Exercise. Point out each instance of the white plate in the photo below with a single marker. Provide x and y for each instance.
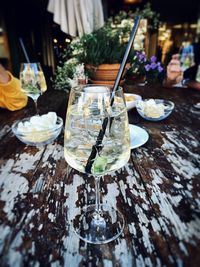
(139, 136)
(131, 104)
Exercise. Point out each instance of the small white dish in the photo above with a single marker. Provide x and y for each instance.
(131, 100)
(138, 135)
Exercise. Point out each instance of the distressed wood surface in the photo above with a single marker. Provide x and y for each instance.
(158, 192)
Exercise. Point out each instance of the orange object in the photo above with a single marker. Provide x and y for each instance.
(104, 72)
(11, 96)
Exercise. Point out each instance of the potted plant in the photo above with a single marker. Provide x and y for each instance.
(102, 51)
(143, 69)
(153, 70)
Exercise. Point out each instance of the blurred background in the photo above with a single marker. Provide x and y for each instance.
(179, 22)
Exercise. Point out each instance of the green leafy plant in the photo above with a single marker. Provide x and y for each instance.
(100, 47)
(145, 13)
(63, 74)
(106, 45)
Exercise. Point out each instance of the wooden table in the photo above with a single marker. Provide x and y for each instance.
(158, 192)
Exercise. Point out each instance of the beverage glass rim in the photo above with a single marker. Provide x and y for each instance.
(76, 89)
(29, 63)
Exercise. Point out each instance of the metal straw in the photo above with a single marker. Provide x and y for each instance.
(24, 50)
(97, 147)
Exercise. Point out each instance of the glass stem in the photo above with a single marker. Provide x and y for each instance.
(36, 107)
(97, 193)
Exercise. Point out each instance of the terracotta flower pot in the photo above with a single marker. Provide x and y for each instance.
(104, 72)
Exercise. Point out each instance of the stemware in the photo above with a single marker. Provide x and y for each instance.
(195, 108)
(32, 80)
(88, 108)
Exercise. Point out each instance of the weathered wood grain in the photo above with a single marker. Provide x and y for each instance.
(157, 192)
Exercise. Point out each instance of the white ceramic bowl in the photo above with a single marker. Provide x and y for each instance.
(168, 107)
(131, 100)
(37, 137)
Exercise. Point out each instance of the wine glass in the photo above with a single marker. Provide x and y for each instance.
(97, 141)
(32, 80)
(195, 108)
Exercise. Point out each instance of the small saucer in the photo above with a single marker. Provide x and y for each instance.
(139, 136)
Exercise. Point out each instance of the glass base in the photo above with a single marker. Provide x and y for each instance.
(195, 109)
(98, 228)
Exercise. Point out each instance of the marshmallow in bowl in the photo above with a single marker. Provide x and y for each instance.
(44, 122)
(38, 128)
(151, 109)
(39, 123)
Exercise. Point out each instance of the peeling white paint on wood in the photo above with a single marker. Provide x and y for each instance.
(12, 185)
(14, 256)
(4, 233)
(27, 162)
(52, 150)
(71, 256)
(184, 231)
(110, 198)
(108, 263)
(4, 131)
(71, 192)
(123, 254)
(150, 197)
(55, 264)
(155, 225)
(182, 166)
(51, 217)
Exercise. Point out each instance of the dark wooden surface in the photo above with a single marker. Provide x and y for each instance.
(158, 192)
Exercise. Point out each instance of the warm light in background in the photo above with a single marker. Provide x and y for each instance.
(67, 40)
(132, 1)
(55, 40)
(178, 26)
(198, 26)
(193, 26)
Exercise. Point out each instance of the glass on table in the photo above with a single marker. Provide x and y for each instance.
(97, 141)
(33, 82)
(195, 108)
